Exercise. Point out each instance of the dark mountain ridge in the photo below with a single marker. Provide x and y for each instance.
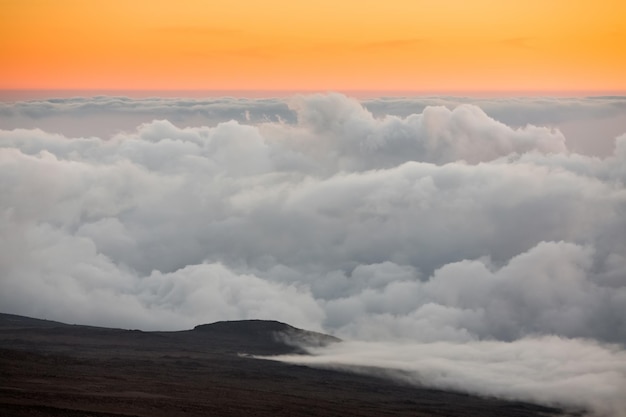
(13, 320)
(259, 337)
(55, 369)
(272, 336)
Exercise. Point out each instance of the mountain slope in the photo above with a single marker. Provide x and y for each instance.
(54, 369)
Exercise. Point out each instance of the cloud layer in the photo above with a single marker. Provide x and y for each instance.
(442, 225)
(546, 370)
(589, 124)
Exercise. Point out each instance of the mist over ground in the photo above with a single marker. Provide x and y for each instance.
(482, 235)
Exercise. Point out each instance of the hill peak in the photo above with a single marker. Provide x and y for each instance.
(235, 326)
(267, 335)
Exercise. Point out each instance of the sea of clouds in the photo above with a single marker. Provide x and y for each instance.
(478, 245)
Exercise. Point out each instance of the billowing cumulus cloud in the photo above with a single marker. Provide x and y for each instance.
(442, 225)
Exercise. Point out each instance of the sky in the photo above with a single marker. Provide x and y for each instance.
(555, 46)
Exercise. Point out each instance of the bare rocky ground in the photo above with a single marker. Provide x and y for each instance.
(54, 369)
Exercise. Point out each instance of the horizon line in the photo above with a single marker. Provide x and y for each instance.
(18, 94)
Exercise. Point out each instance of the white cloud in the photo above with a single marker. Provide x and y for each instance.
(579, 119)
(443, 225)
(577, 374)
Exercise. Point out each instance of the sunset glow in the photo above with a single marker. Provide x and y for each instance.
(412, 45)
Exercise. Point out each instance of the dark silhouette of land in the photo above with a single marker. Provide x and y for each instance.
(55, 369)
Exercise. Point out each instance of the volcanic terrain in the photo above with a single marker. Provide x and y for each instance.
(54, 369)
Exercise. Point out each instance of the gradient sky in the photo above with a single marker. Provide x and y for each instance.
(391, 45)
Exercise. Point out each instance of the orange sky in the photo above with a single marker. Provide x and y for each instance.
(401, 45)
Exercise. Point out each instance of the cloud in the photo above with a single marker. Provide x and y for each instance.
(573, 373)
(547, 290)
(436, 135)
(105, 116)
(578, 118)
(443, 225)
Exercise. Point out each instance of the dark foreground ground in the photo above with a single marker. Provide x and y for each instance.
(54, 369)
